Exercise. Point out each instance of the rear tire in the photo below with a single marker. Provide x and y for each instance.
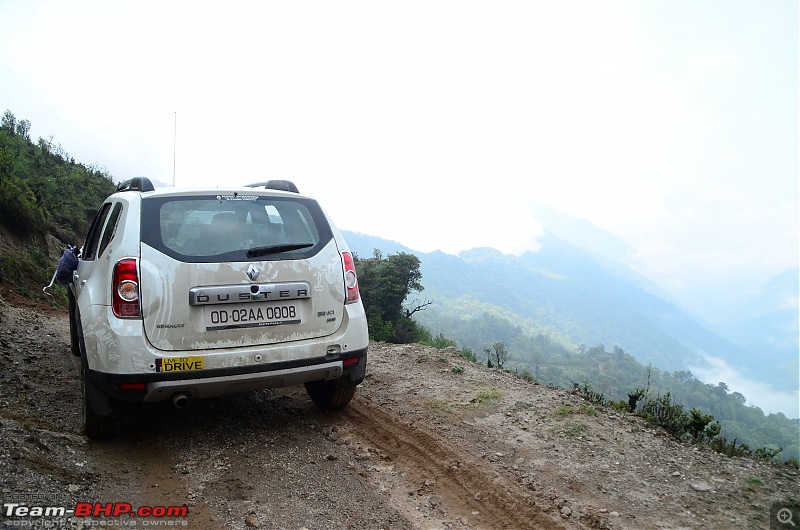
(330, 395)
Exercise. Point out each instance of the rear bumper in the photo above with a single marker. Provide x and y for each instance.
(218, 386)
(348, 368)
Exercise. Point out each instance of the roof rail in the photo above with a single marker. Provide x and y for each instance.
(280, 185)
(136, 184)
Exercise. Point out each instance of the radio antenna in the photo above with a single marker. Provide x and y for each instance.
(174, 141)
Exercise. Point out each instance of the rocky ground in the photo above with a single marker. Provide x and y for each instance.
(430, 441)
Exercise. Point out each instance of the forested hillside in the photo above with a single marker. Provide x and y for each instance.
(47, 200)
(563, 329)
(566, 292)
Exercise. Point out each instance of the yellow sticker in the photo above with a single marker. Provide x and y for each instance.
(179, 364)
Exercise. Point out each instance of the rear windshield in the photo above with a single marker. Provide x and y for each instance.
(234, 227)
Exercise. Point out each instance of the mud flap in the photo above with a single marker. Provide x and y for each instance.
(353, 375)
(100, 404)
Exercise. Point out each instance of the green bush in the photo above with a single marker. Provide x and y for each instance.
(698, 425)
(19, 208)
(439, 341)
(665, 412)
(768, 453)
(586, 392)
(468, 354)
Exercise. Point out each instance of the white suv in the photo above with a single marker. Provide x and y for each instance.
(191, 293)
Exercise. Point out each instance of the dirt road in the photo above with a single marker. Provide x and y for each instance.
(430, 441)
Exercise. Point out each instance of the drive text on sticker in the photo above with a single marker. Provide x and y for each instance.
(179, 364)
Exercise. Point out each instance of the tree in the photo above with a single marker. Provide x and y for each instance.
(385, 283)
(24, 129)
(501, 353)
(6, 159)
(9, 123)
(417, 305)
(722, 389)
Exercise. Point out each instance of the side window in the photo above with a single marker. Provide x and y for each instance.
(111, 228)
(90, 247)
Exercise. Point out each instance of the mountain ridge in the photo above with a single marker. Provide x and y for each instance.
(579, 296)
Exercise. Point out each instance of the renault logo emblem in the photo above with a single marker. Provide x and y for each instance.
(253, 272)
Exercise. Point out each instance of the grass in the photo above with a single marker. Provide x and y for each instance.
(564, 411)
(576, 430)
(754, 481)
(424, 358)
(484, 398)
(445, 406)
(487, 396)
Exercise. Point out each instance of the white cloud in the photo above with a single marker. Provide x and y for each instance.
(758, 393)
(670, 124)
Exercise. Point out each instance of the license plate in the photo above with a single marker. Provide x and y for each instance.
(253, 315)
(179, 364)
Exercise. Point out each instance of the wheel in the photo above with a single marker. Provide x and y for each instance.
(74, 338)
(330, 395)
(95, 425)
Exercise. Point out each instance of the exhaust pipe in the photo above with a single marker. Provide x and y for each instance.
(181, 401)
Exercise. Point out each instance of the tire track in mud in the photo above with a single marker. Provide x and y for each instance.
(464, 483)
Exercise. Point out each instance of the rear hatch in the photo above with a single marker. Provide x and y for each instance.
(238, 269)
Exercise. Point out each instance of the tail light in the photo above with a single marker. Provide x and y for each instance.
(350, 279)
(350, 362)
(135, 387)
(125, 289)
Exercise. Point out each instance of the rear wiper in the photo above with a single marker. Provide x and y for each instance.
(276, 249)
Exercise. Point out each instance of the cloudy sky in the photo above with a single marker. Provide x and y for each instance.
(672, 124)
